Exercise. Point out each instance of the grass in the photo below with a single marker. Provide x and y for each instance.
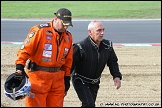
(82, 9)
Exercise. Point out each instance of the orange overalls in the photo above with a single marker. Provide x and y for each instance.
(47, 48)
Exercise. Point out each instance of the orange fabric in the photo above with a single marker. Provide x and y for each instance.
(48, 88)
(34, 46)
(41, 47)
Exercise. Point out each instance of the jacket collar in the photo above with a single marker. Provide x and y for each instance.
(102, 44)
(92, 42)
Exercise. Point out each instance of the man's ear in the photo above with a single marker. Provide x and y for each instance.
(89, 32)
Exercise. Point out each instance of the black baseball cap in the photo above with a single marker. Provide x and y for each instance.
(65, 16)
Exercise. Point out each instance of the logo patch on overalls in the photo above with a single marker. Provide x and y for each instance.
(46, 59)
(48, 32)
(48, 39)
(66, 50)
(47, 46)
(31, 34)
(44, 25)
(26, 41)
(47, 53)
(22, 47)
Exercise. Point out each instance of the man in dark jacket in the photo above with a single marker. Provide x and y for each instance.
(89, 59)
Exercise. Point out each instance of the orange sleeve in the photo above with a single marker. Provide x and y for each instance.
(68, 61)
(28, 47)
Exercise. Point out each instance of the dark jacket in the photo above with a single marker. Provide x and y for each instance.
(92, 62)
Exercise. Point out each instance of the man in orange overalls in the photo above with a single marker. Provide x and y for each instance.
(48, 50)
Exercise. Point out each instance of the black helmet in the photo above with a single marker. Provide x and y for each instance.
(16, 89)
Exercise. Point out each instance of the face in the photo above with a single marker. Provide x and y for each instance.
(98, 32)
(58, 25)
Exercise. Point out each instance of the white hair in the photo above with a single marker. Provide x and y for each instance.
(91, 25)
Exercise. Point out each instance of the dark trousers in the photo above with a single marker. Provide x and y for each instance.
(86, 92)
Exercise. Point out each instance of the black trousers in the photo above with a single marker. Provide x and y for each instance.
(86, 92)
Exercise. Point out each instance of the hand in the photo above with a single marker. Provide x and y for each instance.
(117, 82)
(20, 72)
(67, 83)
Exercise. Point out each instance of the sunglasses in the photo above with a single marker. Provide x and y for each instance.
(67, 24)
